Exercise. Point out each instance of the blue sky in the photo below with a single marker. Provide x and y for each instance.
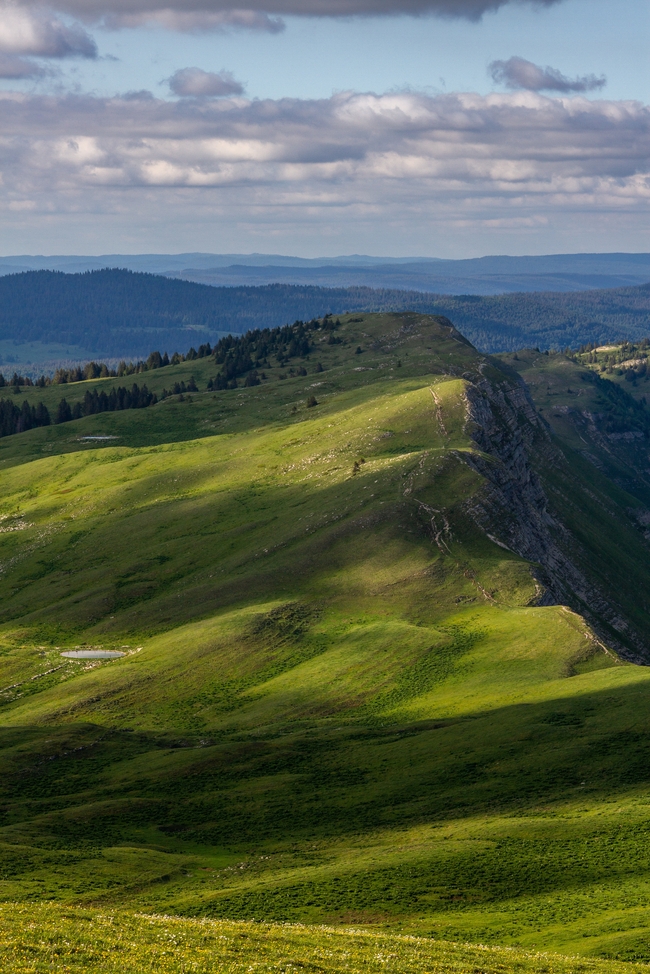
(313, 57)
(338, 134)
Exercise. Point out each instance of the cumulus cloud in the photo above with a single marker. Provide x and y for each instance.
(195, 83)
(261, 14)
(40, 34)
(522, 75)
(503, 160)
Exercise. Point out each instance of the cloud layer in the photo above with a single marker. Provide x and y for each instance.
(501, 161)
(262, 13)
(521, 75)
(195, 21)
(37, 33)
(196, 83)
(505, 143)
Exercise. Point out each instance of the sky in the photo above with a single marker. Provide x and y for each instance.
(440, 128)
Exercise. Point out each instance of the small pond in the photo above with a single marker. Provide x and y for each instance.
(96, 439)
(92, 654)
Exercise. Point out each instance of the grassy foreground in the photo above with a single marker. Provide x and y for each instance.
(43, 939)
(341, 700)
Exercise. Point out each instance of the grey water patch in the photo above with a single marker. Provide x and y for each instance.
(96, 439)
(93, 654)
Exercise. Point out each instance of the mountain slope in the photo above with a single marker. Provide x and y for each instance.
(376, 653)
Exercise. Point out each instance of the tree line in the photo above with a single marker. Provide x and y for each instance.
(239, 356)
(99, 370)
(16, 419)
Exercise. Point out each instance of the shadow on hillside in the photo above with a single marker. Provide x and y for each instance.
(323, 778)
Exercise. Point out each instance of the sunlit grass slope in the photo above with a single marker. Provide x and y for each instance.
(339, 701)
(51, 939)
(36, 940)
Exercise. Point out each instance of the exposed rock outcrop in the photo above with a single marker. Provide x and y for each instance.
(514, 511)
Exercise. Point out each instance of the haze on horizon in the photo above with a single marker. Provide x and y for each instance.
(443, 128)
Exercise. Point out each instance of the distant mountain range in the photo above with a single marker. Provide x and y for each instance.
(481, 275)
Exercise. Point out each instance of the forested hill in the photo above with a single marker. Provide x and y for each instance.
(118, 312)
(507, 322)
(122, 313)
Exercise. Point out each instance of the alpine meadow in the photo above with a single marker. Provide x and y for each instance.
(330, 656)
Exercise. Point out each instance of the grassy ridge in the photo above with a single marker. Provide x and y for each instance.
(340, 702)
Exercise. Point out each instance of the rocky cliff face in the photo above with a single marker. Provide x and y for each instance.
(513, 508)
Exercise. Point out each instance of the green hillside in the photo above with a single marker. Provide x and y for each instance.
(380, 626)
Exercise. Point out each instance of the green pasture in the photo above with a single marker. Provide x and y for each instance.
(339, 703)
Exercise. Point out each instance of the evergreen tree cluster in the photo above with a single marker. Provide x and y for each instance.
(16, 381)
(92, 370)
(242, 356)
(17, 419)
(179, 389)
(106, 402)
(99, 370)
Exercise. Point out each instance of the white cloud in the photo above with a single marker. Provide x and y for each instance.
(196, 83)
(519, 74)
(458, 161)
(40, 34)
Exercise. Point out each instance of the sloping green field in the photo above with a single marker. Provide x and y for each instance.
(345, 698)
